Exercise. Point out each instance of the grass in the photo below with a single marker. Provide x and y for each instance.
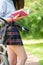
(36, 49)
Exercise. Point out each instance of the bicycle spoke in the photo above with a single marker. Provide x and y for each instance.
(2, 61)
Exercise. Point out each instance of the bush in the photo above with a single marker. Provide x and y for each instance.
(34, 21)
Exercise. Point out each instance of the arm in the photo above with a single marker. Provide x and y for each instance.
(17, 17)
(3, 9)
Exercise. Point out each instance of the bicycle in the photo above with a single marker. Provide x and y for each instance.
(3, 49)
(3, 56)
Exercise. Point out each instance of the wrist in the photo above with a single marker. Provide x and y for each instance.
(11, 20)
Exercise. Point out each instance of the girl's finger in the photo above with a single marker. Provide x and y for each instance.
(17, 16)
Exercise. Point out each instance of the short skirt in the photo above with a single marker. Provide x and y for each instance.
(12, 36)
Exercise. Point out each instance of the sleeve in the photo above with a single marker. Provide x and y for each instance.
(2, 8)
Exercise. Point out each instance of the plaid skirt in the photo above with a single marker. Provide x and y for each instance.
(12, 36)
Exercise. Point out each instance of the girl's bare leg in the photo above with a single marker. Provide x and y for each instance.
(21, 55)
(12, 57)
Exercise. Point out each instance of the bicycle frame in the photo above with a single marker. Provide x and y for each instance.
(3, 49)
(3, 56)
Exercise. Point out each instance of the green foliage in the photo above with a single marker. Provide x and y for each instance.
(34, 21)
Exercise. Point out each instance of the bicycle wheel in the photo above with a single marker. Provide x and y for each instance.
(3, 60)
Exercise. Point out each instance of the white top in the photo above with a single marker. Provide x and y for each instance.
(6, 8)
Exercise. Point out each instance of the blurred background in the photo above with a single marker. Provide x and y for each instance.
(33, 40)
(34, 21)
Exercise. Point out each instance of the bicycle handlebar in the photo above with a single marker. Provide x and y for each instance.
(14, 23)
(20, 27)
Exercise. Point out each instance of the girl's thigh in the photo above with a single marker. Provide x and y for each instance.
(19, 50)
(12, 57)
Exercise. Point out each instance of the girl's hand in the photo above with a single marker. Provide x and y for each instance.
(18, 17)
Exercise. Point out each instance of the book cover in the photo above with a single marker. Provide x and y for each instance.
(21, 12)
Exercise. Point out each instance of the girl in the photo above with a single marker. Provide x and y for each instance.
(15, 49)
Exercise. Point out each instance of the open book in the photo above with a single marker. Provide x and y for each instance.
(21, 12)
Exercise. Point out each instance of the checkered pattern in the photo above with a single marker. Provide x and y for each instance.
(13, 35)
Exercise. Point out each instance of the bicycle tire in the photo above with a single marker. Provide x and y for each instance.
(3, 60)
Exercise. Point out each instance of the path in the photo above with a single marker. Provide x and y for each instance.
(33, 41)
(32, 60)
